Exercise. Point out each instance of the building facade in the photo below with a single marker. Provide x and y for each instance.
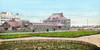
(42, 27)
(4, 16)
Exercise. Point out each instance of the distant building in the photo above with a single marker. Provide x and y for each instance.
(4, 16)
(59, 20)
(12, 25)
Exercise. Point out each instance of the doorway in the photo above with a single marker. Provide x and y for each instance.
(59, 27)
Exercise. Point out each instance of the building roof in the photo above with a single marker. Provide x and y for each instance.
(8, 14)
(57, 16)
(13, 23)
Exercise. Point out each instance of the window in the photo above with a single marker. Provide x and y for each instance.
(53, 18)
(62, 20)
(2, 20)
(58, 20)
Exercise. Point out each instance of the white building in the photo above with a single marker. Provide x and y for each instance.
(4, 16)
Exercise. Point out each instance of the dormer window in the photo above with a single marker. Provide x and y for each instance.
(53, 18)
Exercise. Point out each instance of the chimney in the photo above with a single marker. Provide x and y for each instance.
(62, 15)
(13, 19)
(17, 14)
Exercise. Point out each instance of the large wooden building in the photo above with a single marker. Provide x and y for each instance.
(59, 20)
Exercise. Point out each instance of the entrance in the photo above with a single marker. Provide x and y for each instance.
(14, 28)
(6, 29)
(59, 27)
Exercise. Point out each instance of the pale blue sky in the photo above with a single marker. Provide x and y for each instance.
(35, 10)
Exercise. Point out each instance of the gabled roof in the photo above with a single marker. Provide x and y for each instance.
(13, 23)
(57, 16)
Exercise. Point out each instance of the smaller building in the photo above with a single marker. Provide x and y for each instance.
(13, 25)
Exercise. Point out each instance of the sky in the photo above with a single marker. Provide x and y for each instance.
(37, 10)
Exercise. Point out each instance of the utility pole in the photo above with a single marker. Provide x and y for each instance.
(87, 22)
(40, 20)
